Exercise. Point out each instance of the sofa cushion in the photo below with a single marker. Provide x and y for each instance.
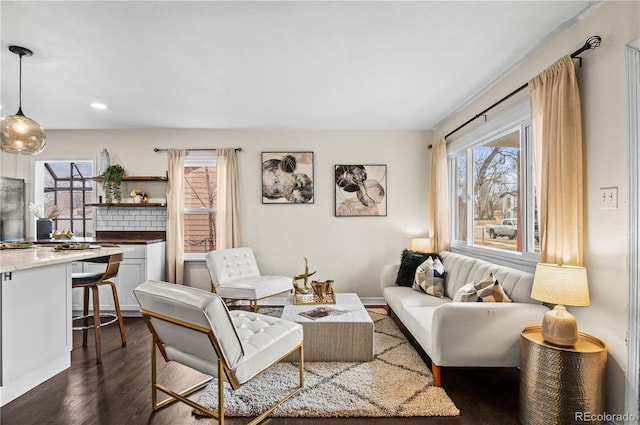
(400, 297)
(429, 277)
(409, 262)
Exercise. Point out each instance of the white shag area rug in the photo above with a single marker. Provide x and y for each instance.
(397, 383)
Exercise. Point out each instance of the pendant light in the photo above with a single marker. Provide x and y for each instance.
(20, 134)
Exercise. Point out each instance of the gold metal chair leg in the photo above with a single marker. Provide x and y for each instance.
(154, 391)
(220, 392)
(267, 412)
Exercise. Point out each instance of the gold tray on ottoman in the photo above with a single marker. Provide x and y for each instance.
(299, 299)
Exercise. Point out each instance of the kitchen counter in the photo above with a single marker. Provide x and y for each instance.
(12, 260)
(115, 237)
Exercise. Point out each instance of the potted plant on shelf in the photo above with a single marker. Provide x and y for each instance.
(112, 183)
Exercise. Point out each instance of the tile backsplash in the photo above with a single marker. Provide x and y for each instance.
(131, 218)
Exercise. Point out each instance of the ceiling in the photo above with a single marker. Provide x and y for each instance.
(265, 64)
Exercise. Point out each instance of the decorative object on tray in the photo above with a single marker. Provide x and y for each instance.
(62, 234)
(287, 177)
(301, 299)
(361, 190)
(45, 216)
(112, 183)
(305, 288)
(15, 245)
(322, 289)
(139, 196)
(320, 312)
(71, 246)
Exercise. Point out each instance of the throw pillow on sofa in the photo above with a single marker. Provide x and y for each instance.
(409, 262)
(494, 293)
(469, 292)
(466, 289)
(429, 277)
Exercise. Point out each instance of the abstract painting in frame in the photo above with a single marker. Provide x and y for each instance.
(287, 177)
(361, 190)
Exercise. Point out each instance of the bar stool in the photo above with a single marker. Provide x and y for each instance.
(93, 281)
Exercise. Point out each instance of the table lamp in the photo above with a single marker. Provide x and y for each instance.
(421, 245)
(561, 285)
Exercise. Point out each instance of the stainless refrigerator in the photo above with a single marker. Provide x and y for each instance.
(12, 209)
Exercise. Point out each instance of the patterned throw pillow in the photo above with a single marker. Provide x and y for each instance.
(471, 292)
(409, 262)
(490, 280)
(470, 295)
(429, 277)
(466, 289)
(493, 294)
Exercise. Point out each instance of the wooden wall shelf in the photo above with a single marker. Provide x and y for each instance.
(128, 205)
(136, 178)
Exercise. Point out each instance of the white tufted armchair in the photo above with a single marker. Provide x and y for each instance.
(235, 276)
(194, 327)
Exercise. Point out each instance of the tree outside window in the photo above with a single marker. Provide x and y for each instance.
(493, 193)
(200, 187)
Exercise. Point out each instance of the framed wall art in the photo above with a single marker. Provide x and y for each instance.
(361, 190)
(287, 177)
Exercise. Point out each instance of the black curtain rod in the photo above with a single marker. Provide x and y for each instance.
(196, 149)
(591, 43)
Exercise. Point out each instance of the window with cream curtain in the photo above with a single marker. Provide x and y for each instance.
(492, 200)
(200, 204)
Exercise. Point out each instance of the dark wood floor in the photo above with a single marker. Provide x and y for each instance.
(118, 392)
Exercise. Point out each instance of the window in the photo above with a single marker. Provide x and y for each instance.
(200, 188)
(493, 197)
(66, 184)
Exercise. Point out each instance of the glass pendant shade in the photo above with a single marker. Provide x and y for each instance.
(22, 135)
(19, 133)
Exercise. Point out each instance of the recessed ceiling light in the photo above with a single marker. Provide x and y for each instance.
(97, 105)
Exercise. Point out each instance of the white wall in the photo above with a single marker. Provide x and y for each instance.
(349, 250)
(602, 85)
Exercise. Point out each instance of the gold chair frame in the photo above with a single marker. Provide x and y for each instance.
(223, 370)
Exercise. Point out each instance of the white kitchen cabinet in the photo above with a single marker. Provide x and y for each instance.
(144, 262)
(35, 327)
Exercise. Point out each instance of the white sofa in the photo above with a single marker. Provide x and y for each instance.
(476, 334)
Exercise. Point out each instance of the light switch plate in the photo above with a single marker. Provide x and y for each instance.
(608, 198)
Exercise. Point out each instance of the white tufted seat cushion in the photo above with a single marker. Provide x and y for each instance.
(263, 339)
(250, 342)
(235, 274)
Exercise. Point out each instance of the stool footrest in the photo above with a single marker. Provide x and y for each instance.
(111, 316)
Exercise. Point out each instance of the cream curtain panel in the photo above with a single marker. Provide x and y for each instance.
(228, 208)
(557, 135)
(175, 216)
(439, 197)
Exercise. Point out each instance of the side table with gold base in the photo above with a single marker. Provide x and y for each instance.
(561, 385)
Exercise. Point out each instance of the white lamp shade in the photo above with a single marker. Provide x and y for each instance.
(421, 245)
(22, 135)
(560, 284)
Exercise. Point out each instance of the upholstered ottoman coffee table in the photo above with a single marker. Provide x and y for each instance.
(343, 337)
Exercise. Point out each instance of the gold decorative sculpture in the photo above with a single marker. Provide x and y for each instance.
(305, 289)
(322, 289)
